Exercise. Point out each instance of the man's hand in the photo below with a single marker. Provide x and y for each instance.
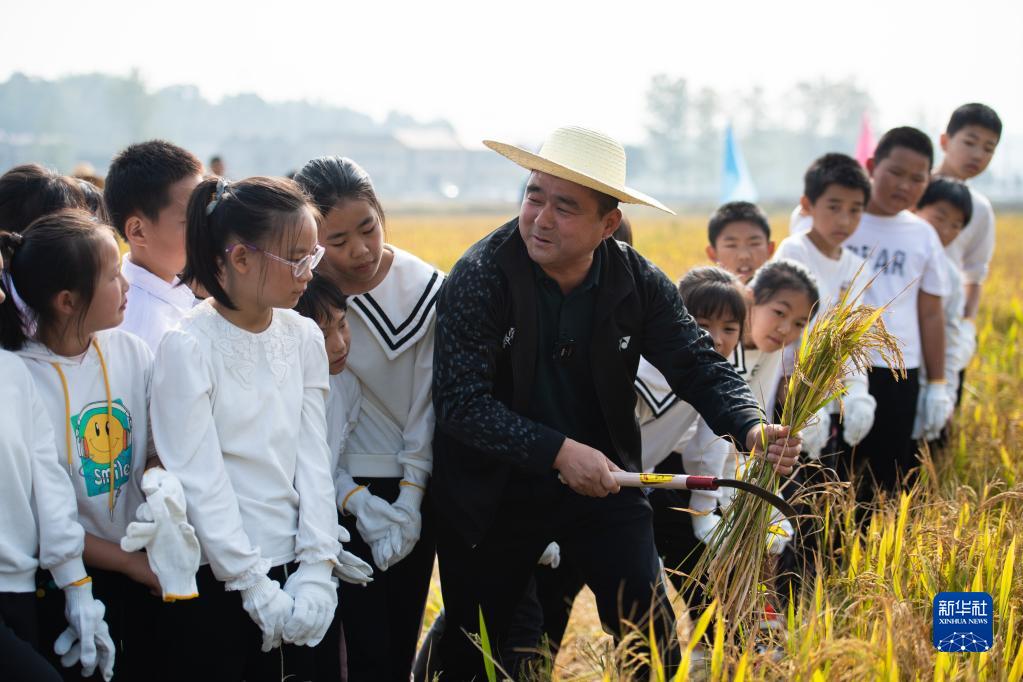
(781, 449)
(585, 470)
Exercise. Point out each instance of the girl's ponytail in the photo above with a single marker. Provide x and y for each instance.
(204, 247)
(12, 334)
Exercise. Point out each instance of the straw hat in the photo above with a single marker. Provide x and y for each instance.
(582, 156)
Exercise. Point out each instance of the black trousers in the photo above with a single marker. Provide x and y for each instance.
(382, 620)
(610, 541)
(888, 453)
(132, 614)
(217, 640)
(20, 657)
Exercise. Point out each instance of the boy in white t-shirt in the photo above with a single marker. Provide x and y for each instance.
(948, 206)
(835, 192)
(739, 239)
(907, 256)
(969, 143)
(146, 194)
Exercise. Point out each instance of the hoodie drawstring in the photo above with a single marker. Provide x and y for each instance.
(110, 417)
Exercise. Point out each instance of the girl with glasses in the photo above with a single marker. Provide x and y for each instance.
(239, 390)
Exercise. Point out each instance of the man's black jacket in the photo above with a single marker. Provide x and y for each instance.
(485, 358)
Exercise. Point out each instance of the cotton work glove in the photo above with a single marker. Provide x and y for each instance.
(269, 607)
(409, 501)
(374, 516)
(966, 348)
(704, 526)
(857, 412)
(351, 568)
(315, 595)
(171, 545)
(937, 407)
(551, 556)
(87, 637)
(779, 534)
(815, 435)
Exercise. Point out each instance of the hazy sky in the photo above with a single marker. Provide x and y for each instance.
(514, 70)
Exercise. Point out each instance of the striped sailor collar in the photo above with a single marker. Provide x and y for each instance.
(398, 311)
(653, 388)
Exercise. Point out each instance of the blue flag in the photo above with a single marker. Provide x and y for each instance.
(736, 181)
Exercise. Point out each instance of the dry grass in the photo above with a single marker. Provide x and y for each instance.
(869, 615)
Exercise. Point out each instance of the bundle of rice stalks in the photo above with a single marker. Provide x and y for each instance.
(840, 342)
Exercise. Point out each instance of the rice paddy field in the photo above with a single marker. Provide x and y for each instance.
(868, 614)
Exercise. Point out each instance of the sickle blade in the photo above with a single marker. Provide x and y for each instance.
(774, 500)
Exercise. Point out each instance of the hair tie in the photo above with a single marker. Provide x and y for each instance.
(218, 195)
(12, 240)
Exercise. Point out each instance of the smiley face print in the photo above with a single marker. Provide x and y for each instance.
(104, 445)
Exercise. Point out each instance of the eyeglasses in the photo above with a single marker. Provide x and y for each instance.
(300, 268)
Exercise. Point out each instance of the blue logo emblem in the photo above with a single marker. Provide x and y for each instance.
(963, 622)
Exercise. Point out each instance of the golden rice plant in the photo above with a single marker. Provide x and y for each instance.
(840, 342)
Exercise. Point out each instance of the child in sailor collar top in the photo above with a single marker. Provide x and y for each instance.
(238, 406)
(392, 296)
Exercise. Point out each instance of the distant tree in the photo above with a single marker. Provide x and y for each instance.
(667, 102)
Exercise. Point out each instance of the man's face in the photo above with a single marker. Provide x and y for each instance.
(741, 248)
(969, 151)
(560, 222)
(899, 180)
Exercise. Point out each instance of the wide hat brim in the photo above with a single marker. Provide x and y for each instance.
(535, 162)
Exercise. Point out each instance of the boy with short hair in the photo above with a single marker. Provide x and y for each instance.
(739, 239)
(948, 206)
(906, 255)
(969, 143)
(836, 191)
(146, 193)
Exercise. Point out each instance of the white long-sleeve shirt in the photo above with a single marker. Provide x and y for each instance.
(81, 417)
(239, 419)
(392, 357)
(154, 306)
(344, 406)
(38, 511)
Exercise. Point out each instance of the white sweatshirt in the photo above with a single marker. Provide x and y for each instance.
(239, 419)
(154, 306)
(40, 526)
(83, 420)
(392, 357)
(668, 425)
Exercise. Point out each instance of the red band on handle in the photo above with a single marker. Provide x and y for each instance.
(701, 483)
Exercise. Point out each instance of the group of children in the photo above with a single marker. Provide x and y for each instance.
(261, 344)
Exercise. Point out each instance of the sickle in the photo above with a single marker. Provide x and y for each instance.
(684, 482)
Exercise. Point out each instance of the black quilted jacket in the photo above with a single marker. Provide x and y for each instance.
(484, 361)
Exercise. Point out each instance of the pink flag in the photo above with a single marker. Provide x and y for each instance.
(865, 145)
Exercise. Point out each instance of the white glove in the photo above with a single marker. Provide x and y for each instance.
(315, 595)
(410, 499)
(858, 408)
(87, 637)
(374, 517)
(704, 526)
(779, 534)
(937, 406)
(172, 548)
(551, 556)
(351, 568)
(967, 346)
(269, 607)
(815, 435)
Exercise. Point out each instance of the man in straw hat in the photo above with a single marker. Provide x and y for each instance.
(540, 327)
